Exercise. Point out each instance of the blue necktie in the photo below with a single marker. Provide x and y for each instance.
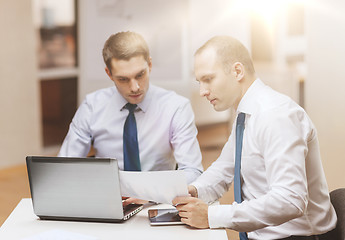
(130, 141)
(237, 178)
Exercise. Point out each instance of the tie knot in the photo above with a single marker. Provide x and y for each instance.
(130, 107)
(240, 118)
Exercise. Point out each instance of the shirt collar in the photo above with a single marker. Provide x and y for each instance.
(147, 99)
(118, 100)
(248, 102)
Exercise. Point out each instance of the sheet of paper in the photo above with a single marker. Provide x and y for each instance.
(157, 186)
(58, 234)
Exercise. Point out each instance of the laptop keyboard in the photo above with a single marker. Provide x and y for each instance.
(131, 209)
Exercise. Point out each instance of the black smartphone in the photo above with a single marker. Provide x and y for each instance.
(164, 216)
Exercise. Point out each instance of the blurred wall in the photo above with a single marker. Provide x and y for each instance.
(19, 95)
(206, 20)
(173, 30)
(164, 28)
(325, 83)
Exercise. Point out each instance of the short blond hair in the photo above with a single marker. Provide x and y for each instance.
(124, 46)
(229, 50)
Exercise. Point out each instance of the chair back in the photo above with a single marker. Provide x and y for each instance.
(338, 202)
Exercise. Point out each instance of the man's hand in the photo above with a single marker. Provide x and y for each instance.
(192, 191)
(193, 211)
(128, 200)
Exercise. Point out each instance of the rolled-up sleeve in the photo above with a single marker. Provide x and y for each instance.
(77, 142)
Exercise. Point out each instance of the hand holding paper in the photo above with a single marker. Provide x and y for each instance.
(157, 186)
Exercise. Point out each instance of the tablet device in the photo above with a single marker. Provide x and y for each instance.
(164, 216)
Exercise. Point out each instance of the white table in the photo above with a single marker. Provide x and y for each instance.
(24, 223)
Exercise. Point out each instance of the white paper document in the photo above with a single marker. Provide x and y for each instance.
(157, 186)
(58, 234)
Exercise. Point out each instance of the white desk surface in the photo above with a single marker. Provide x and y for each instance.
(23, 223)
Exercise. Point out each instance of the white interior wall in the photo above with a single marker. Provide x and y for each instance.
(164, 30)
(19, 95)
(208, 19)
(173, 35)
(272, 46)
(325, 83)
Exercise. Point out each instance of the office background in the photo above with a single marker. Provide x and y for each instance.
(297, 47)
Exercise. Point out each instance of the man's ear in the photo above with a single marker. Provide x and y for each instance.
(238, 71)
(150, 64)
(108, 73)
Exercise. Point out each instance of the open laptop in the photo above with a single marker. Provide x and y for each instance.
(77, 189)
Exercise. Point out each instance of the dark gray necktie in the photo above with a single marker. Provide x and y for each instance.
(237, 178)
(130, 141)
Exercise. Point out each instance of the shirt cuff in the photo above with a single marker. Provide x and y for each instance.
(219, 216)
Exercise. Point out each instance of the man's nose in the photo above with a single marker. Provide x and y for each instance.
(134, 85)
(204, 92)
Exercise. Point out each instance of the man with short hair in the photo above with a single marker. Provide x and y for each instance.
(272, 156)
(164, 129)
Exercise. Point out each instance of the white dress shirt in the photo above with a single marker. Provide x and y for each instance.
(283, 183)
(165, 124)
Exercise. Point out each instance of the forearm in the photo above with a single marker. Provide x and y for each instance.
(191, 174)
(271, 209)
(214, 182)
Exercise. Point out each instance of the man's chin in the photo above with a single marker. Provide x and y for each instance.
(218, 108)
(136, 100)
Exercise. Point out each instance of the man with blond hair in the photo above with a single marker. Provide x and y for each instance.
(160, 129)
(272, 156)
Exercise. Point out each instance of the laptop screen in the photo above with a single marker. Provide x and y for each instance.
(75, 188)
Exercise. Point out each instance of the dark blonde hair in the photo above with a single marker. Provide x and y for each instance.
(124, 46)
(229, 50)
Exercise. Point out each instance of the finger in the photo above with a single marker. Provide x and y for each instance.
(181, 200)
(186, 207)
(135, 200)
(185, 220)
(192, 191)
(124, 203)
(128, 201)
(140, 201)
(183, 214)
(176, 201)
